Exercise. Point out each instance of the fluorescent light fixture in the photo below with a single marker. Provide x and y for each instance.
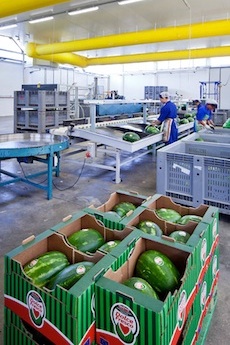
(44, 19)
(8, 26)
(84, 10)
(126, 2)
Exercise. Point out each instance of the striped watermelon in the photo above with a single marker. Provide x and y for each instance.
(40, 270)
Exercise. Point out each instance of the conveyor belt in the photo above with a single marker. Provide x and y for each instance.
(111, 138)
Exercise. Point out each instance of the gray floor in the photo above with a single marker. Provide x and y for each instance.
(24, 210)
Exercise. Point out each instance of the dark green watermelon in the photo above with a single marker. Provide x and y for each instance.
(108, 246)
(41, 269)
(152, 130)
(159, 271)
(70, 275)
(131, 137)
(180, 236)
(123, 208)
(184, 121)
(141, 285)
(168, 215)
(149, 227)
(86, 240)
(189, 217)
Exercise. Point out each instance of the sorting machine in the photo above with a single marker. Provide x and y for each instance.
(106, 137)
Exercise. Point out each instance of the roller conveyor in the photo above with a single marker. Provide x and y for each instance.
(29, 147)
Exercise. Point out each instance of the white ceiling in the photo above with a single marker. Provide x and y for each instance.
(114, 19)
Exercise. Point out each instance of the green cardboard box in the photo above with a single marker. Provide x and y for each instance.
(133, 318)
(61, 316)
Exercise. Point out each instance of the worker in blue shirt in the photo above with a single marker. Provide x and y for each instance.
(204, 115)
(168, 115)
(197, 103)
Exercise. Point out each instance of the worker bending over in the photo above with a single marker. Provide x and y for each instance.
(204, 115)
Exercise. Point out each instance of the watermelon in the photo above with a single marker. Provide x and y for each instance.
(108, 246)
(184, 121)
(123, 208)
(199, 139)
(86, 240)
(152, 130)
(113, 215)
(180, 236)
(44, 267)
(189, 217)
(131, 137)
(190, 119)
(159, 271)
(70, 275)
(149, 227)
(168, 215)
(141, 285)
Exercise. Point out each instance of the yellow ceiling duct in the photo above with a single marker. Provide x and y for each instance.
(199, 30)
(162, 56)
(83, 62)
(9, 8)
(64, 58)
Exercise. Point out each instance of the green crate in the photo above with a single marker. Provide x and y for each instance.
(111, 220)
(67, 315)
(150, 321)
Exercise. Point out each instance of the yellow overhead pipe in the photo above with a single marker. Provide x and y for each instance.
(65, 58)
(80, 61)
(9, 8)
(162, 56)
(174, 33)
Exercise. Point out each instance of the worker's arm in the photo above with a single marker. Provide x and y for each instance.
(156, 123)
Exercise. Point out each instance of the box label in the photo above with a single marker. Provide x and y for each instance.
(125, 323)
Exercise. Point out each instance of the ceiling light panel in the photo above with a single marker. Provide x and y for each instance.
(39, 20)
(127, 2)
(84, 10)
(10, 26)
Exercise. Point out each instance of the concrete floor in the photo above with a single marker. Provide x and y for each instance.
(24, 210)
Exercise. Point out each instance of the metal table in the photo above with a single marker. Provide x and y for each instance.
(30, 147)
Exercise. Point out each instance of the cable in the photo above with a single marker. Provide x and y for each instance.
(61, 190)
(27, 177)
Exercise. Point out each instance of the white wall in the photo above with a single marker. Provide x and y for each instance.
(131, 85)
(11, 80)
(185, 83)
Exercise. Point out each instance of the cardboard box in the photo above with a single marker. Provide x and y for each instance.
(209, 214)
(111, 220)
(62, 316)
(204, 304)
(13, 335)
(82, 221)
(129, 317)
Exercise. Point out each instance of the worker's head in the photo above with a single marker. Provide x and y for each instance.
(196, 102)
(211, 104)
(164, 97)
